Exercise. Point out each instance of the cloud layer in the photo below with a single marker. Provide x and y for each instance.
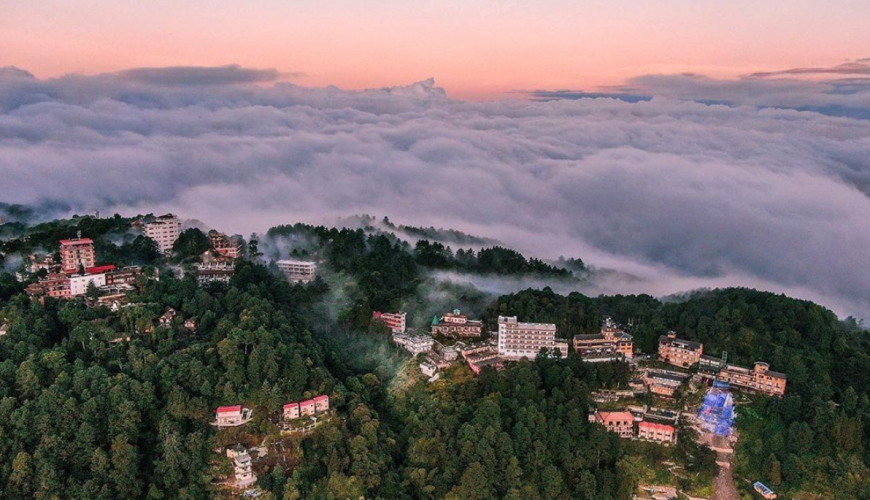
(677, 192)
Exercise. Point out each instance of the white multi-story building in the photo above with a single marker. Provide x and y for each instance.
(78, 285)
(298, 270)
(414, 342)
(164, 230)
(524, 340)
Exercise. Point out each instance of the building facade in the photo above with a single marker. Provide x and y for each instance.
(659, 433)
(456, 325)
(78, 284)
(164, 230)
(298, 271)
(611, 344)
(413, 342)
(679, 352)
(77, 253)
(524, 340)
(394, 321)
(757, 379)
(620, 423)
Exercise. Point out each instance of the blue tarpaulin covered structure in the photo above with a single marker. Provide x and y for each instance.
(717, 412)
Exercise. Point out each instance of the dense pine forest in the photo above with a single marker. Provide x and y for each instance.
(85, 416)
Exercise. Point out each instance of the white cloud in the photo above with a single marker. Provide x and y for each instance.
(676, 192)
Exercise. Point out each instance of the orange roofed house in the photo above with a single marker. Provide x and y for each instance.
(660, 433)
(618, 422)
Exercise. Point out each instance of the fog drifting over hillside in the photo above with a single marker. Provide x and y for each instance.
(678, 192)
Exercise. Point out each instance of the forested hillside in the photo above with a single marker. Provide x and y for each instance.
(96, 404)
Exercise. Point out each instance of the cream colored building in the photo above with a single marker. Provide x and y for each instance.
(524, 340)
(164, 231)
(301, 271)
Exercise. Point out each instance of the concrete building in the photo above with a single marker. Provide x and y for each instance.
(659, 433)
(307, 408)
(321, 403)
(77, 253)
(428, 368)
(298, 271)
(394, 321)
(663, 383)
(679, 352)
(611, 344)
(524, 340)
(167, 318)
(618, 422)
(291, 411)
(456, 325)
(224, 246)
(54, 285)
(126, 275)
(232, 416)
(78, 284)
(164, 230)
(757, 379)
(214, 272)
(243, 472)
(414, 342)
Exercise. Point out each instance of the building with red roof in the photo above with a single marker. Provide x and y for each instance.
(232, 416)
(321, 403)
(660, 433)
(75, 253)
(619, 422)
(307, 408)
(291, 411)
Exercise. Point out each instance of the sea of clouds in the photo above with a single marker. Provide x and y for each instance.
(676, 182)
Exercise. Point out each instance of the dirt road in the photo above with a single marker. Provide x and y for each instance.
(723, 485)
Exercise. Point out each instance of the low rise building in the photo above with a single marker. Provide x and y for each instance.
(126, 275)
(663, 382)
(760, 378)
(164, 230)
(55, 285)
(394, 321)
(167, 318)
(78, 284)
(679, 352)
(525, 340)
(414, 342)
(307, 408)
(611, 344)
(321, 403)
(659, 433)
(225, 246)
(428, 368)
(620, 423)
(232, 416)
(456, 325)
(298, 271)
(4, 328)
(214, 272)
(291, 411)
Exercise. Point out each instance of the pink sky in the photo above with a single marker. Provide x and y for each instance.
(474, 49)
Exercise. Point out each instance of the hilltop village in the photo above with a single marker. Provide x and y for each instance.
(674, 395)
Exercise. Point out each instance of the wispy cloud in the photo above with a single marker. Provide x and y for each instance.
(859, 67)
(674, 192)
